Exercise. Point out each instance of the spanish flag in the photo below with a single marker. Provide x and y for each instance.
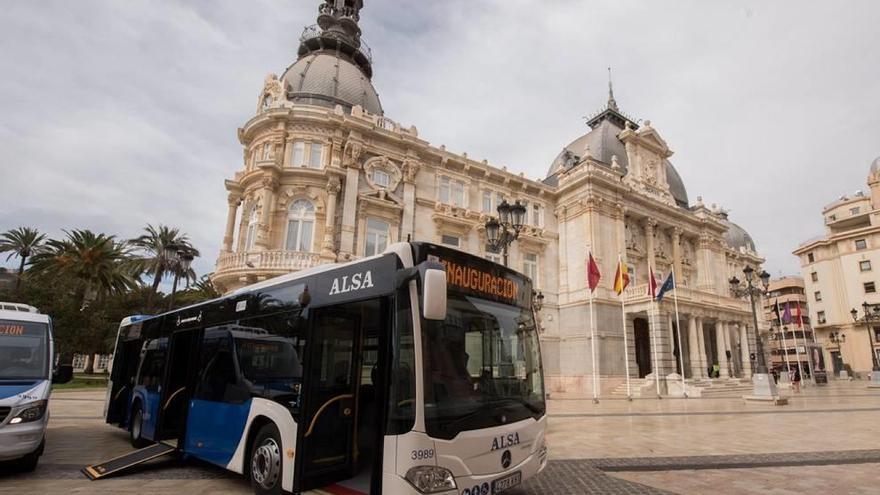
(621, 277)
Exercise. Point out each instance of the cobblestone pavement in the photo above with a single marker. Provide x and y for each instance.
(826, 437)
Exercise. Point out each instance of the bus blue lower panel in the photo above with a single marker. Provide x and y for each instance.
(213, 430)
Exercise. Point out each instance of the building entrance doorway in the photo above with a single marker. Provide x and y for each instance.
(642, 337)
(710, 340)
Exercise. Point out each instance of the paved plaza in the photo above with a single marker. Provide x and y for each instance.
(825, 440)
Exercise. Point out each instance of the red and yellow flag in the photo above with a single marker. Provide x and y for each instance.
(593, 274)
(621, 278)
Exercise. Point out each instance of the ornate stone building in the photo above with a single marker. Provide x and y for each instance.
(327, 177)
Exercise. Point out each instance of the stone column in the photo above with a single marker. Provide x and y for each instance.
(676, 253)
(721, 347)
(329, 244)
(703, 360)
(746, 350)
(351, 162)
(727, 344)
(410, 168)
(697, 370)
(650, 224)
(265, 228)
(233, 200)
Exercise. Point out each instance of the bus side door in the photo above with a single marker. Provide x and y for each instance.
(326, 445)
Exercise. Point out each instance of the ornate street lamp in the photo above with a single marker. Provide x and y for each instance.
(870, 315)
(764, 386)
(503, 231)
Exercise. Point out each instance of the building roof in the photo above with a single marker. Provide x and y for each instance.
(875, 165)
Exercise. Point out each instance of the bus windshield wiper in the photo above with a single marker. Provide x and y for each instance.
(480, 410)
(519, 400)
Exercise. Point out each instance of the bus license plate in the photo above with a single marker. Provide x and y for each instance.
(507, 482)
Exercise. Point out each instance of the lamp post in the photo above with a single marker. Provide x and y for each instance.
(870, 314)
(764, 386)
(502, 231)
(178, 257)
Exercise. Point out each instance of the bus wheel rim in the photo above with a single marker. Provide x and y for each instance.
(266, 464)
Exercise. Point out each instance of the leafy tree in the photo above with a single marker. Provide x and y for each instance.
(152, 245)
(22, 242)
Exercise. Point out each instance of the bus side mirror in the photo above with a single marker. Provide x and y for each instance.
(62, 374)
(434, 294)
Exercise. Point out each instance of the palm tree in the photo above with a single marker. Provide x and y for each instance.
(22, 242)
(98, 263)
(153, 244)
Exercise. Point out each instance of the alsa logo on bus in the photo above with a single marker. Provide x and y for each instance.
(505, 441)
(480, 281)
(358, 281)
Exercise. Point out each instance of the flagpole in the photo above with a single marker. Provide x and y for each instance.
(678, 327)
(592, 330)
(797, 351)
(656, 364)
(809, 357)
(625, 339)
(784, 342)
(593, 346)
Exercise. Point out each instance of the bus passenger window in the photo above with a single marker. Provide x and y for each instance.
(152, 369)
(217, 370)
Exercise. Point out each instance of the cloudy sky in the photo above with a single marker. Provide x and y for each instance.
(115, 114)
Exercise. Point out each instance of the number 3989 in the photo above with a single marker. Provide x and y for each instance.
(418, 455)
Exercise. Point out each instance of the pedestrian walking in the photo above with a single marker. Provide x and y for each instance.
(796, 380)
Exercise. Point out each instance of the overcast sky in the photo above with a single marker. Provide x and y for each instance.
(115, 114)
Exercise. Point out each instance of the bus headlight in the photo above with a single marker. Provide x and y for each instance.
(31, 412)
(431, 479)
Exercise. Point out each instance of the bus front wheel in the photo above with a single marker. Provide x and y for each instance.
(136, 429)
(265, 462)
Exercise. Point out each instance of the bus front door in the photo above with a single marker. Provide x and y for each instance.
(180, 374)
(326, 452)
(123, 374)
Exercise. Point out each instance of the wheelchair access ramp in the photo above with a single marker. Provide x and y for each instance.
(126, 461)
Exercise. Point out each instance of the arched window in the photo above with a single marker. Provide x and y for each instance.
(300, 226)
(251, 232)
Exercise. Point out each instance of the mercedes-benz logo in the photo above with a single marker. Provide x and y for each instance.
(505, 459)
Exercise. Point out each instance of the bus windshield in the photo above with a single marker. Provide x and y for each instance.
(23, 350)
(482, 366)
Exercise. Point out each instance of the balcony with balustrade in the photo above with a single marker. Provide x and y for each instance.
(237, 269)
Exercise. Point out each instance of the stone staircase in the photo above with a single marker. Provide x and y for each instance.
(701, 387)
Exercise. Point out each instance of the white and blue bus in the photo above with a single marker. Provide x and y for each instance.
(26, 376)
(414, 371)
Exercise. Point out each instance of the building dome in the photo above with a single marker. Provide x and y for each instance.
(334, 64)
(327, 78)
(736, 237)
(875, 165)
(604, 146)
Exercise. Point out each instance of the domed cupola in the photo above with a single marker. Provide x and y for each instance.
(334, 66)
(736, 237)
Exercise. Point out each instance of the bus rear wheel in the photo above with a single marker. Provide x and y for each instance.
(266, 460)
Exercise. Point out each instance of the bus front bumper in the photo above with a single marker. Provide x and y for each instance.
(22, 439)
(472, 485)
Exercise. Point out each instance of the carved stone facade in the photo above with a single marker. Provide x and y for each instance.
(323, 183)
